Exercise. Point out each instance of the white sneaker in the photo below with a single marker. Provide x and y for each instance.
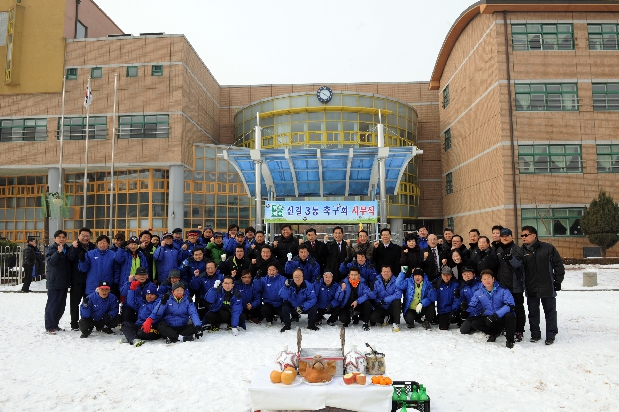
(269, 324)
(235, 332)
(123, 340)
(395, 328)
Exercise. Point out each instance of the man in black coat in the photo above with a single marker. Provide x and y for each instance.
(543, 275)
(338, 251)
(33, 259)
(81, 246)
(234, 265)
(316, 248)
(431, 264)
(58, 278)
(285, 244)
(484, 257)
(387, 253)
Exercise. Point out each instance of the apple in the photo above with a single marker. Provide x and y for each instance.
(349, 379)
(356, 373)
(361, 379)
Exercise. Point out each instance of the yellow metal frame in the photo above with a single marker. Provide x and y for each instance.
(325, 108)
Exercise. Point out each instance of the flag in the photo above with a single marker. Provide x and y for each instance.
(88, 98)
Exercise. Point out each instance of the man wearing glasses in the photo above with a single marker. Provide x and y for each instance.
(544, 271)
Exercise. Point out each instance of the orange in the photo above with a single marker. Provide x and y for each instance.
(376, 380)
(276, 376)
(383, 381)
(388, 379)
(287, 377)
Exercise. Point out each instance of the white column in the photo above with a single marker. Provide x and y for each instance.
(176, 193)
(53, 180)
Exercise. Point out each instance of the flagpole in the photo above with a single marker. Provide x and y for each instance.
(60, 180)
(112, 169)
(87, 104)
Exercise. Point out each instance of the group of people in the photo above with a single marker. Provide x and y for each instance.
(178, 288)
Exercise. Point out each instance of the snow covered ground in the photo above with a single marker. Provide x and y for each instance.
(462, 373)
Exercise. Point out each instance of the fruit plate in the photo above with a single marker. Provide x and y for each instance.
(295, 382)
(356, 385)
(316, 383)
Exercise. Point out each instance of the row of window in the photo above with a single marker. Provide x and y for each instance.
(74, 128)
(560, 36)
(132, 71)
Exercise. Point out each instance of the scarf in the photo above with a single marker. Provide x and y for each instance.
(354, 283)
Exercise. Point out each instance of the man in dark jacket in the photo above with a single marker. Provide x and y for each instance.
(431, 264)
(298, 297)
(510, 276)
(337, 252)
(148, 250)
(543, 274)
(33, 259)
(256, 246)
(286, 243)
(58, 281)
(235, 264)
(316, 248)
(484, 257)
(78, 278)
(387, 253)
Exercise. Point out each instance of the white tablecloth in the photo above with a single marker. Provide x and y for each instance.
(265, 395)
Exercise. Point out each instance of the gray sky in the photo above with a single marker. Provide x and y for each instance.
(277, 41)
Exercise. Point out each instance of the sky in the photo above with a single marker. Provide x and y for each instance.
(281, 41)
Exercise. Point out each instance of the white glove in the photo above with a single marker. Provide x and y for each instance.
(289, 256)
(419, 307)
(217, 283)
(235, 332)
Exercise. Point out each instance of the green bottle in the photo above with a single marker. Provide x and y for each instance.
(423, 396)
(403, 408)
(395, 396)
(403, 395)
(414, 394)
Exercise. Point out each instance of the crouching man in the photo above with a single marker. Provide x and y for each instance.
(299, 297)
(99, 310)
(173, 314)
(419, 298)
(226, 306)
(496, 306)
(133, 332)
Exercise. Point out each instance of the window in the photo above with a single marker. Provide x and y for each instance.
(139, 127)
(608, 158)
(81, 31)
(447, 139)
(75, 128)
(4, 22)
(132, 71)
(542, 37)
(554, 222)
(446, 96)
(603, 36)
(450, 223)
(546, 97)
(71, 74)
(96, 72)
(156, 70)
(549, 159)
(449, 186)
(23, 130)
(605, 96)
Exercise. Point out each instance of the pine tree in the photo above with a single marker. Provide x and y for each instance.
(600, 222)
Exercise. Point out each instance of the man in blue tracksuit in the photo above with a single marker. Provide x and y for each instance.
(226, 306)
(468, 286)
(355, 296)
(99, 266)
(201, 283)
(128, 260)
(327, 301)
(447, 304)
(298, 296)
(497, 309)
(192, 266)
(172, 316)
(303, 261)
(270, 285)
(138, 283)
(134, 335)
(251, 296)
(99, 310)
(387, 299)
(367, 269)
(419, 298)
(166, 257)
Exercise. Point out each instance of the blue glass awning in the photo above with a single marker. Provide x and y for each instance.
(321, 172)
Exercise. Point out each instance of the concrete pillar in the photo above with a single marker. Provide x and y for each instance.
(53, 180)
(589, 278)
(396, 226)
(176, 194)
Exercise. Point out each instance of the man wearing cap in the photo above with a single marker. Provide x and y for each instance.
(191, 244)
(419, 298)
(172, 316)
(78, 278)
(33, 259)
(99, 310)
(225, 306)
(138, 283)
(99, 265)
(128, 260)
(166, 257)
(207, 234)
(543, 275)
(177, 238)
(58, 280)
(215, 247)
(166, 286)
(327, 299)
(468, 286)
(447, 304)
(250, 236)
(387, 299)
(495, 306)
(145, 302)
(510, 275)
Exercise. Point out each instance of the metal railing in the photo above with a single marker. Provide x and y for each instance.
(12, 265)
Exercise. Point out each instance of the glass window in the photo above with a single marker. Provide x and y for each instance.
(449, 188)
(547, 97)
(447, 139)
(542, 37)
(608, 158)
(96, 72)
(560, 222)
(132, 71)
(446, 98)
(81, 31)
(156, 70)
(549, 159)
(75, 128)
(71, 74)
(23, 130)
(603, 36)
(139, 127)
(605, 96)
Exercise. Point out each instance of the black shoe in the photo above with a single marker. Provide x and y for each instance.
(168, 341)
(535, 340)
(509, 344)
(549, 341)
(285, 328)
(108, 331)
(345, 325)
(331, 323)
(84, 335)
(492, 338)
(313, 328)
(518, 336)
(355, 320)
(24, 291)
(187, 338)
(434, 321)
(199, 334)
(366, 326)
(426, 325)
(410, 325)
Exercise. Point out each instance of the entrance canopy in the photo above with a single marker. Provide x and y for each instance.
(321, 172)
